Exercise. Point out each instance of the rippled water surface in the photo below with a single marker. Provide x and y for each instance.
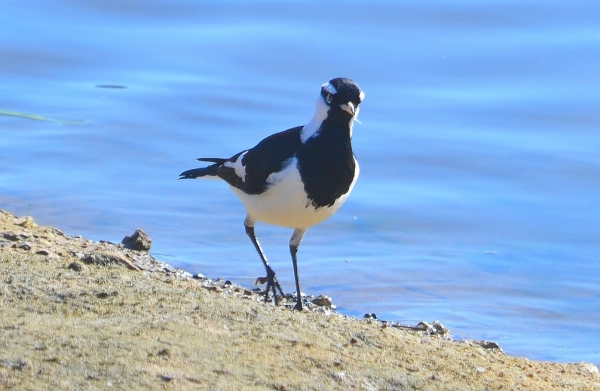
(480, 168)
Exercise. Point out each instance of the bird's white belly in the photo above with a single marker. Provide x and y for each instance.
(286, 203)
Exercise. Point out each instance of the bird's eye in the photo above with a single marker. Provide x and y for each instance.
(328, 98)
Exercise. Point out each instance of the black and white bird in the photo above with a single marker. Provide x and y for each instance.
(296, 178)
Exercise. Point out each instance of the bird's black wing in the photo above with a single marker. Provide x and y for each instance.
(268, 157)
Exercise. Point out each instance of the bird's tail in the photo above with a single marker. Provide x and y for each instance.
(211, 170)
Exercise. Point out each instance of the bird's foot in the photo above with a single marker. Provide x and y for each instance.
(272, 285)
(298, 297)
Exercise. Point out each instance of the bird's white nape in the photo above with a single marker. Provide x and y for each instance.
(313, 126)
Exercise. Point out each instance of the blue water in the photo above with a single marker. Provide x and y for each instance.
(480, 173)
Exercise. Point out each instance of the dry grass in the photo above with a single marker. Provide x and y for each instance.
(109, 327)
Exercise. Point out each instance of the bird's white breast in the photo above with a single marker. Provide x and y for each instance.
(285, 202)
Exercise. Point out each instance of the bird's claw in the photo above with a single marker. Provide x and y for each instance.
(272, 285)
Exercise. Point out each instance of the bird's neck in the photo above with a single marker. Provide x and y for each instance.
(330, 118)
(337, 127)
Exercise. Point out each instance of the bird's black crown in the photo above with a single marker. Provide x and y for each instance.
(340, 91)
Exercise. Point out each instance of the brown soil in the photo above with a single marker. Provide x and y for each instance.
(87, 315)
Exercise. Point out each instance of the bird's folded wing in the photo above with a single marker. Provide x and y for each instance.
(266, 158)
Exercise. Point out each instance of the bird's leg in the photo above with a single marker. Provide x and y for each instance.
(272, 282)
(294, 244)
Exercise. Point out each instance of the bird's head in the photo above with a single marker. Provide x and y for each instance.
(338, 101)
(342, 94)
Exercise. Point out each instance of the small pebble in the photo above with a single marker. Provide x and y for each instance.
(323, 301)
(488, 345)
(167, 378)
(75, 266)
(12, 236)
(18, 364)
(25, 246)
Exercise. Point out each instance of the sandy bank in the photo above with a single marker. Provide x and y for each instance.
(77, 314)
